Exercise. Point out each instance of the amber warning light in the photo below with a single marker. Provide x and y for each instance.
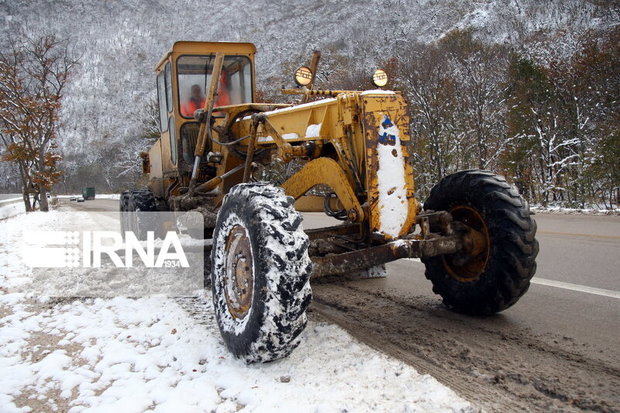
(303, 76)
(380, 78)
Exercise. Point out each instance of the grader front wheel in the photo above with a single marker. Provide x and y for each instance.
(260, 273)
(496, 270)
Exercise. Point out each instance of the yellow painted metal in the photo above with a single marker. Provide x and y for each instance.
(314, 203)
(155, 170)
(314, 92)
(300, 123)
(166, 156)
(338, 137)
(326, 171)
(347, 129)
(203, 48)
(182, 48)
(202, 133)
(376, 108)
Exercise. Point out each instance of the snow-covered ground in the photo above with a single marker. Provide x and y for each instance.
(14, 206)
(97, 196)
(592, 210)
(108, 196)
(10, 208)
(165, 355)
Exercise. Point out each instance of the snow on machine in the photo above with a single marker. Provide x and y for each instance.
(350, 157)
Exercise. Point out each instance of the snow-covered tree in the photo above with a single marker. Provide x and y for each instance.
(33, 74)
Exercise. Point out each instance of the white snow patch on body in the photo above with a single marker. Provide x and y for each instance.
(377, 92)
(285, 136)
(290, 136)
(150, 354)
(392, 186)
(313, 131)
(300, 107)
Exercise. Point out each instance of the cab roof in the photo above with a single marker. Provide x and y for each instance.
(198, 48)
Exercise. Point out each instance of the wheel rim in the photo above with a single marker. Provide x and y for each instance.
(238, 272)
(469, 266)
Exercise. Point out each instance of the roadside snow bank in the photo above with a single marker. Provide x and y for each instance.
(159, 354)
(583, 211)
(97, 196)
(108, 196)
(9, 200)
(10, 209)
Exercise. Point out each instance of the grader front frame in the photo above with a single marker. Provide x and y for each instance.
(475, 235)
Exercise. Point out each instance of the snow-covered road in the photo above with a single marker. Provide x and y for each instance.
(163, 354)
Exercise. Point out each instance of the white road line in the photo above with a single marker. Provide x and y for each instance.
(576, 287)
(563, 285)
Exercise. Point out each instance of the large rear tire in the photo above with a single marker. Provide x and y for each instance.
(260, 273)
(134, 201)
(499, 272)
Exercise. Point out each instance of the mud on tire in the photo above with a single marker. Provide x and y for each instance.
(260, 273)
(498, 281)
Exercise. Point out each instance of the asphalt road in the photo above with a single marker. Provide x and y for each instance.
(91, 206)
(577, 283)
(576, 289)
(557, 349)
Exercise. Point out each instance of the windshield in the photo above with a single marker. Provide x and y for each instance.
(194, 75)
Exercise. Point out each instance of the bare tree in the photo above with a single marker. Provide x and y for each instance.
(33, 74)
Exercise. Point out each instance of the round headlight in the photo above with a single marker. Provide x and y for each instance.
(303, 76)
(380, 78)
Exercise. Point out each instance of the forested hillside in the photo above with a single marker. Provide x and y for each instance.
(526, 88)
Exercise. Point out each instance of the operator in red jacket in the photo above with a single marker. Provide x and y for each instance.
(196, 101)
(197, 98)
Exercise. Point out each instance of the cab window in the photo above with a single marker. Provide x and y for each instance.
(173, 142)
(194, 75)
(169, 87)
(162, 101)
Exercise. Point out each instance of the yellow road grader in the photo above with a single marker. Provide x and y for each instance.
(350, 157)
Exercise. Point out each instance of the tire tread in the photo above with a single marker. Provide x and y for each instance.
(514, 248)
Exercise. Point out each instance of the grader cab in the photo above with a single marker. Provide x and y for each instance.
(350, 157)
